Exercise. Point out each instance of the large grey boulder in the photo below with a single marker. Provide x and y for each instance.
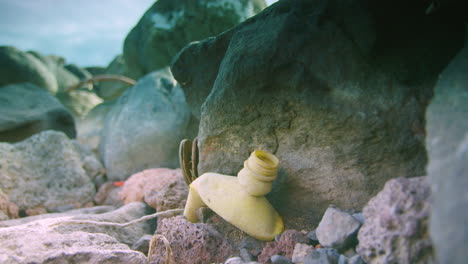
(46, 171)
(17, 66)
(144, 127)
(447, 144)
(396, 228)
(169, 25)
(43, 241)
(327, 88)
(26, 109)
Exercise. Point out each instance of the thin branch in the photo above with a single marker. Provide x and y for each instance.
(103, 78)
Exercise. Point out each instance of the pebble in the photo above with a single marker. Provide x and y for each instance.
(322, 256)
(359, 217)
(278, 259)
(337, 229)
(312, 235)
(300, 251)
(234, 260)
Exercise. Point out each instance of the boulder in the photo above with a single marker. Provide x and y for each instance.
(46, 171)
(169, 25)
(81, 73)
(337, 229)
(162, 189)
(112, 90)
(79, 102)
(89, 128)
(43, 241)
(329, 88)
(396, 227)
(26, 109)
(447, 144)
(191, 243)
(17, 66)
(144, 127)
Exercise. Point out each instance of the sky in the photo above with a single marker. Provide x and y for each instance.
(84, 32)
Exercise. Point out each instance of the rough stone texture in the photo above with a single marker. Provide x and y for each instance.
(396, 227)
(284, 247)
(112, 90)
(8, 210)
(169, 25)
(109, 194)
(329, 88)
(17, 66)
(191, 243)
(162, 189)
(447, 143)
(322, 256)
(80, 211)
(45, 170)
(81, 73)
(38, 242)
(338, 229)
(26, 109)
(144, 127)
(278, 259)
(89, 128)
(142, 244)
(300, 251)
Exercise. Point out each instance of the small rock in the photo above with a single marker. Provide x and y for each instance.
(355, 260)
(278, 259)
(284, 247)
(108, 194)
(322, 256)
(300, 251)
(142, 244)
(234, 260)
(245, 254)
(8, 210)
(191, 243)
(337, 229)
(250, 248)
(342, 260)
(396, 227)
(312, 235)
(359, 217)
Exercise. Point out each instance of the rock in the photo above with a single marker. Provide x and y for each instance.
(169, 25)
(284, 247)
(108, 194)
(142, 244)
(40, 242)
(300, 251)
(447, 144)
(8, 210)
(56, 65)
(45, 170)
(328, 89)
(338, 229)
(355, 260)
(144, 127)
(79, 102)
(81, 73)
(18, 67)
(234, 260)
(112, 90)
(359, 217)
(191, 243)
(91, 126)
(322, 256)
(278, 259)
(396, 227)
(312, 235)
(342, 260)
(74, 212)
(26, 109)
(250, 248)
(162, 189)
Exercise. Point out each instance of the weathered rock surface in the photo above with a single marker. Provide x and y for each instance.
(191, 243)
(284, 247)
(337, 229)
(26, 109)
(447, 143)
(79, 102)
(46, 171)
(89, 128)
(322, 256)
(169, 25)
(40, 242)
(108, 194)
(144, 127)
(396, 227)
(17, 66)
(8, 210)
(162, 189)
(329, 89)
